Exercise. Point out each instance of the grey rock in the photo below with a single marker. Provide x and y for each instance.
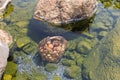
(62, 11)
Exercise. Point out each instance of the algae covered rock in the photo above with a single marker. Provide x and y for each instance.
(73, 72)
(103, 61)
(51, 67)
(23, 41)
(11, 69)
(56, 77)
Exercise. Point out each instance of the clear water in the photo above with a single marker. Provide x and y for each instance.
(19, 22)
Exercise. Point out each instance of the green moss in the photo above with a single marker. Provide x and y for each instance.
(11, 68)
(9, 9)
(7, 77)
(71, 45)
(73, 72)
(117, 4)
(102, 33)
(57, 78)
(51, 67)
(31, 48)
(22, 41)
(22, 23)
(14, 78)
(67, 62)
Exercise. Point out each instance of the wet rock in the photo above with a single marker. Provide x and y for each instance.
(68, 62)
(85, 45)
(7, 77)
(73, 72)
(22, 42)
(5, 40)
(22, 23)
(57, 78)
(52, 48)
(103, 61)
(62, 11)
(3, 4)
(51, 67)
(11, 69)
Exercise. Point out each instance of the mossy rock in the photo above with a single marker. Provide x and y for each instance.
(22, 24)
(11, 68)
(72, 45)
(56, 77)
(14, 78)
(84, 46)
(7, 77)
(22, 41)
(67, 62)
(103, 61)
(73, 72)
(51, 67)
(30, 48)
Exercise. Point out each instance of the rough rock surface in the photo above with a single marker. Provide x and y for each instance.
(103, 63)
(5, 40)
(52, 48)
(62, 11)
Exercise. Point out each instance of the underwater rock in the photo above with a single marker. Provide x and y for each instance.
(103, 62)
(11, 69)
(62, 11)
(23, 41)
(52, 48)
(51, 67)
(3, 4)
(73, 72)
(56, 77)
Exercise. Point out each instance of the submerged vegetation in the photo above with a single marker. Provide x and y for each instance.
(79, 60)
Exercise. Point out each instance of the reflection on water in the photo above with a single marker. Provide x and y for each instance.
(82, 37)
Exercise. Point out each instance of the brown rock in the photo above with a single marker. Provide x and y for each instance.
(52, 53)
(62, 11)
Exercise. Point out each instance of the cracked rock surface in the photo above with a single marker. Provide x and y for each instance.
(62, 11)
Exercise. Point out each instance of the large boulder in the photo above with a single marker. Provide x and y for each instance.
(62, 11)
(103, 63)
(5, 40)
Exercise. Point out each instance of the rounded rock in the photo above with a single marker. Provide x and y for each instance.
(52, 53)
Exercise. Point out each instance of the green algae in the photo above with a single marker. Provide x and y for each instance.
(73, 72)
(51, 67)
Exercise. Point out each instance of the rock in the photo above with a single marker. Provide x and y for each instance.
(56, 77)
(22, 42)
(5, 40)
(68, 62)
(22, 23)
(52, 48)
(7, 77)
(5, 37)
(62, 11)
(3, 4)
(11, 69)
(51, 67)
(103, 61)
(73, 72)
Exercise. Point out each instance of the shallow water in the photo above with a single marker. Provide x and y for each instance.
(82, 37)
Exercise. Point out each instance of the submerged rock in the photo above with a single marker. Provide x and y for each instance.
(103, 63)
(62, 11)
(52, 48)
